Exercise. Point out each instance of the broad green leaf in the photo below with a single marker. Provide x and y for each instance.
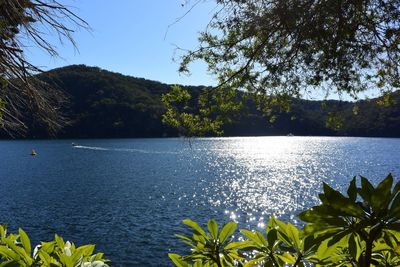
(381, 196)
(213, 228)
(251, 236)
(286, 257)
(366, 189)
(45, 257)
(195, 226)
(355, 249)
(26, 243)
(99, 256)
(396, 188)
(325, 251)
(381, 246)
(86, 249)
(185, 238)
(340, 204)
(284, 234)
(199, 238)
(310, 244)
(327, 235)
(66, 260)
(227, 231)
(176, 259)
(7, 253)
(293, 234)
(272, 238)
(397, 249)
(2, 231)
(238, 245)
(341, 238)
(395, 207)
(352, 190)
(59, 241)
(330, 193)
(235, 255)
(20, 251)
(323, 199)
(253, 263)
(261, 237)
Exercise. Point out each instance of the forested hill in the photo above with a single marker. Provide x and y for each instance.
(107, 104)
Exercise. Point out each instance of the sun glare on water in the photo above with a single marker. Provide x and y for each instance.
(266, 176)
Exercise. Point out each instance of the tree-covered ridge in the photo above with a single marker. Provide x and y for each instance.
(107, 104)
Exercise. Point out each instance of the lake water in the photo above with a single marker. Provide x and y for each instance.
(128, 196)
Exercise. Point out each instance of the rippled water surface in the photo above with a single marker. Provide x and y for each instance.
(129, 196)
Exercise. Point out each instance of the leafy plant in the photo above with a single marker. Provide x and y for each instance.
(16, 251)
(360, 229)
(212, 248)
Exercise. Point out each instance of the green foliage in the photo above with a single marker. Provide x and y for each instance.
(242, 114)
(212, 248)
(298, 45)
(30, 23)
(361, 229)
(297, 48)
(16, 251)
(214, 107)
(387, 100)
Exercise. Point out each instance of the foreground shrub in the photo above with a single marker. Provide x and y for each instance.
(16, 251)
(360, 229)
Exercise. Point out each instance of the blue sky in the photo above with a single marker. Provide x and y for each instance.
(132, 37)
(139, 38)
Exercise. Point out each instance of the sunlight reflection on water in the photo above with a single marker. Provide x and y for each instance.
(264, 176)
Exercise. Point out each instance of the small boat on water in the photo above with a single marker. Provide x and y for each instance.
(33, 153)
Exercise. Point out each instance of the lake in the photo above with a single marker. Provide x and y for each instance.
(129, 196)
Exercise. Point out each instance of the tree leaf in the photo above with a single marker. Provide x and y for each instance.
(272, 238)
(7, 253)
(213, 228)
(286, 257)
(195, 226)
(252, 236)
(352, 190)
(227, 231)
(366, 189)
(176, 259)
(26, 243)
(238, 245)
(381, 196)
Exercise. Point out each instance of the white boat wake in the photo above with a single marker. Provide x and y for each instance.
(123, 150)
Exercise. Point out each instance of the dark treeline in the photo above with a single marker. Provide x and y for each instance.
(104, 104)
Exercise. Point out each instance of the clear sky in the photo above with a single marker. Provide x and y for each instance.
(139, 38)
(132, 37)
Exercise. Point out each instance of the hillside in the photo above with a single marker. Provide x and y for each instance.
(104, 104)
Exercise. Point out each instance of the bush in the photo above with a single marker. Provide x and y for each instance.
(360, 229)
(16, 251)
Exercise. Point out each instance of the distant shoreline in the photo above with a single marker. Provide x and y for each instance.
(190, 138)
